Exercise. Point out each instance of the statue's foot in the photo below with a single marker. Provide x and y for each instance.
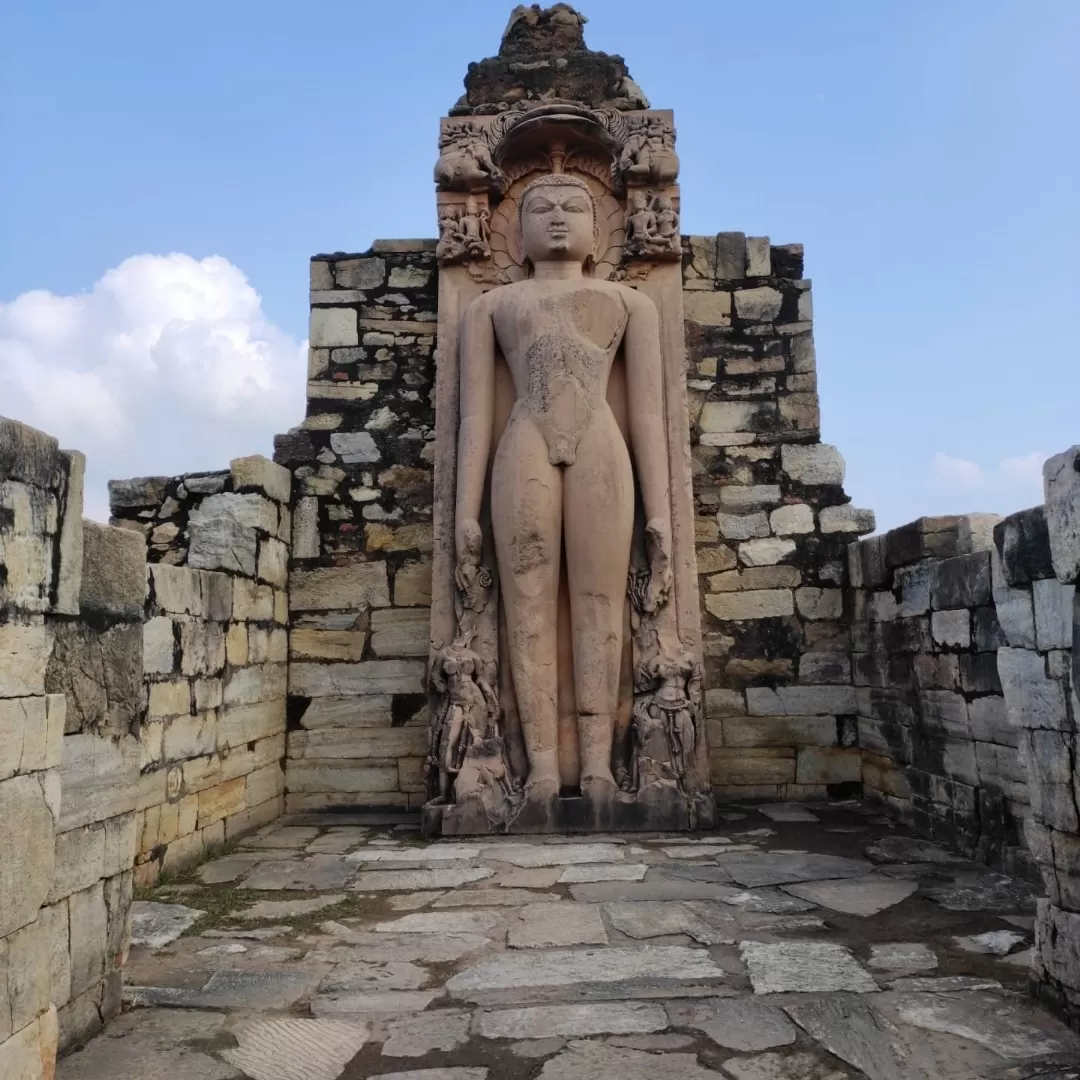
(541, 789)
(599, 787)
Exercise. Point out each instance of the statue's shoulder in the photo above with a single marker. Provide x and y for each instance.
(488, 302)
(632, 299)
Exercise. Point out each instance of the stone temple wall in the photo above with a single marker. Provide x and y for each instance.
(360, 578)
(214, 647)
(936, 741)
(773, 524)
(772, 521)
(71, 702)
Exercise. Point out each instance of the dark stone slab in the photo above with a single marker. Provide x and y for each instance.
(1023, 545)
(961, 582)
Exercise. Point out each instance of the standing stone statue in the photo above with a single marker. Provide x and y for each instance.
(562, 478)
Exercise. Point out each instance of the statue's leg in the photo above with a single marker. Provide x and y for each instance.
(526, 520)
(598, 507)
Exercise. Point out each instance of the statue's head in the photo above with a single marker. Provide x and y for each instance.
(557, 218)
(637, 200)
(470, 205)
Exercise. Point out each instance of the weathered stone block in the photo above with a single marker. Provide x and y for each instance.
(761, 304)
(756, 577)
(378, 743)
(1061, 481)
(89, 928)
(355, 447)
(79, 860)
(758, 261)
(113, 572)
(369, 273)
(259, 473)
(814, 603)
(357, 586)
(754, 604)
(251, 601)
(791, 520)
(99, 779)
(740, 497)
(1053, 606)
(730, 256)
(779, 731)
(369, 677)
(28, 865)
(1022, 541)
(765, 552)
(330, 327)
(24, 653)
(752, 766)
(962, 581)
(846, 519)
(951, 629)
(828, 765)
(1032, 698)
(708, 308)
(401, 632)
(322, 776)
(814, 465)
(99, 673)
(172, 698)
(725, 416)
(23, 735)
(239, 725)
(800, 700)
(273, 564)
(202, 648)
(250, 685)
(743, 526)
(1013, 607)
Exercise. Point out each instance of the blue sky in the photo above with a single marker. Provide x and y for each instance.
(924, 152)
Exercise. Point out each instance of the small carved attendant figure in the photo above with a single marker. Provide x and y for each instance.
(648, 155)
(465, 163)
(667, 220)
(469, 713)
(641, 223)
(563, 476)
(666, 718)
(474, 232)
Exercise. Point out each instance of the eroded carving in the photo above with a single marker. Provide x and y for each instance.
(648, 155)
(464, 233)
(652, 227)
(465, 162)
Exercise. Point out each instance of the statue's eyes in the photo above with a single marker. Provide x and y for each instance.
(575, 206)
(541, 206)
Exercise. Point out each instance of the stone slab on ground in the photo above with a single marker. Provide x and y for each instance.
(372, 975)
(910, 849)
(439, 877)
(773, 1066)
(291, 1048)
(804, 967)
(536, 855)
(230, 867)
(984, 892)
(847, 1027)
(855, 896)
(902, 956)
(311, 874)
(769, 901)
(153, 925)
(583, 1060)
(493, 898)
(380, 1003)
(442, 922)
(383, 948)
(585, 872)
(435, 853)
(145, 1043)
(229, 989)
(535, 973)
(992, 943)
(787, 812)
(781, 868)
(288, 909)
(1007, 1025)
(436, 1074)
(659, 889)
(570, 1021)
(415, 1036)
(659, 918)
(744, 1024)
(545, 926)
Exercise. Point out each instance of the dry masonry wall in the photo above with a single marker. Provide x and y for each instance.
(214, 652)
(71, 704)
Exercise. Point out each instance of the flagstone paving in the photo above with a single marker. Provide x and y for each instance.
(792, 943)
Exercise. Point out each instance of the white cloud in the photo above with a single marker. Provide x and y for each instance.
(1012, 478)
(166, 365)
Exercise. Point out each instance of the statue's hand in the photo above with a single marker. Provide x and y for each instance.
(658, 547)
(470, 575)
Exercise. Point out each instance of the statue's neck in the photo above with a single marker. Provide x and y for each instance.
(558, 270)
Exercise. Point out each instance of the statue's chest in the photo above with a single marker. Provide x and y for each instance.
(589, 316)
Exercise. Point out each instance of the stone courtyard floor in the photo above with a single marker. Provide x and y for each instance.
(793, 943)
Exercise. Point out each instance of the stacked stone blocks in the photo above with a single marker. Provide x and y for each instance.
(937, 745)
(215, 654)
(70, 698)
(1036, 569)
(360, 583)
(772, 524)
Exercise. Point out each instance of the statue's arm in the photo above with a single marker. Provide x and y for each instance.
(645, 400)
(477, 410)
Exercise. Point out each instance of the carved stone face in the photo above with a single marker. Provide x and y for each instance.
(557, 224)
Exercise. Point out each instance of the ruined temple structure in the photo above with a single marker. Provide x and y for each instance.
(556, 548)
